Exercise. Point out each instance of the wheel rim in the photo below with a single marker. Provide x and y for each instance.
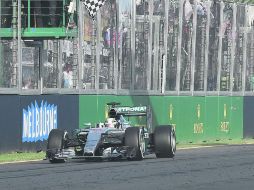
(173, 142)
(141, 144)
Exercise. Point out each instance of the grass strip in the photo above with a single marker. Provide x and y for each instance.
(16, 157)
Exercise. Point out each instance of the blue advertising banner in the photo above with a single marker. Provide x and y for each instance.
(248, 119)
(26, 121)
(10, 123)
(38, 121)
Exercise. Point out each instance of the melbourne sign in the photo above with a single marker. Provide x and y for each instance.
(38, 121)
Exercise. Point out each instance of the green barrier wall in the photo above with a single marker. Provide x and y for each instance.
(195, 119)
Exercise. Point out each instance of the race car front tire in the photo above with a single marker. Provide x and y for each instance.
(133, 140)
(164, 141)
(55, 143)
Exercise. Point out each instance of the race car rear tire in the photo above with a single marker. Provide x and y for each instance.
(55, 143)
(133, 139)
(164, 141)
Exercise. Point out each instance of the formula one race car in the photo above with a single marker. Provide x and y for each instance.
(114, 139)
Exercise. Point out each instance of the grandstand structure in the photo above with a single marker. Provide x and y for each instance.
(185, 58)
(160, 47)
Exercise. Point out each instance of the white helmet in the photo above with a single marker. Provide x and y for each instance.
(110, 122)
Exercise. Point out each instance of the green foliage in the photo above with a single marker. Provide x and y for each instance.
(16, 157)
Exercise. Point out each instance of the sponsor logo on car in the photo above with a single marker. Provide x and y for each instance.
(131, 109)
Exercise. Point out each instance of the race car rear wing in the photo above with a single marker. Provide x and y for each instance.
(132, 111)
(135, 111)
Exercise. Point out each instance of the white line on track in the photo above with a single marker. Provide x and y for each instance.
(196, 147)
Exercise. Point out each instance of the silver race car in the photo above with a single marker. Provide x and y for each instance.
(114, 139)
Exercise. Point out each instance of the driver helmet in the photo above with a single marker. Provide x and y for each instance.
(110, 122)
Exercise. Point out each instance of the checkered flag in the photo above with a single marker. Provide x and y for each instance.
(93, 6)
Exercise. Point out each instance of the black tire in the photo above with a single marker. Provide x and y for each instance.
(164, 141)
(132, 139)
(55, 143)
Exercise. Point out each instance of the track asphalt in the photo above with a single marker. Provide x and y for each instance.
(220, 168)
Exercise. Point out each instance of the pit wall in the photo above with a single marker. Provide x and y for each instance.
(196, 119)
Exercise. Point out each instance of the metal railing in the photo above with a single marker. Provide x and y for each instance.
(199, 47)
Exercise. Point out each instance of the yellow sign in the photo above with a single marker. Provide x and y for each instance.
(198, 111)
(171, 112)
(225, 111)
(224, 126)
(106, 112)
(198, 128)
